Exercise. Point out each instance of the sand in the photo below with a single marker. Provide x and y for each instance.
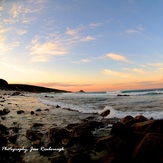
(48, 116)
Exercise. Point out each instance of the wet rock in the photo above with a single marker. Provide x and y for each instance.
(32, 112)
(101, 142)
(149, 149)
(79, 158)
(105, 113)
(83, 135)
(141, 126)
(56, 135)
(14, 129)
(155, 127)
(37, 125)
(38, 110)
(140, 118)
(16, 94)
(3, 129)
(13, 138)
(120, 130)
(3, 141)
(73, 125)
(57, 106)
(4, 111)
(37, 143)
(3, 118)
(20, 111)
(59, 159)
(33, 135)
(126, 119)
(94, 124)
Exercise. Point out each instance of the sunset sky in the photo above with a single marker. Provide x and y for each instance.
(93, 45)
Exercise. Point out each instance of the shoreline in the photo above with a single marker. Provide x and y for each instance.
(34, 132)
(33, 112)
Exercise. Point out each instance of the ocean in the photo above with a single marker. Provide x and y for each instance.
(148, 103)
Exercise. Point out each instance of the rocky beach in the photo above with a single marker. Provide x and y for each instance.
(35, 132)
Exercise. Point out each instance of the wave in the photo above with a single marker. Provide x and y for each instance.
(120, 114)
(113, 112)
(142, 92)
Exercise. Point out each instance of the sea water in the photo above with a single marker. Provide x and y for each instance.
(120, 103)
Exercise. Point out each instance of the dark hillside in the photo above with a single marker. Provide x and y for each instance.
(32, 88)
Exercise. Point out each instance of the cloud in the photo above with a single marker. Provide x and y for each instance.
(42, 52)
(137, 70)
(116, 73)
(82, 61)
(117, 57)
(95, 24)
(72, 32)
(6, 45)
(1, 8)
(61, 84)
(23, 12)
(136, 30)
(89, 38)
(158, 64)
(77, 35)
(21, 32)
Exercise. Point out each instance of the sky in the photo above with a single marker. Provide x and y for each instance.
(90, 45)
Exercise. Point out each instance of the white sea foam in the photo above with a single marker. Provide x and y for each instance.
(147, 105)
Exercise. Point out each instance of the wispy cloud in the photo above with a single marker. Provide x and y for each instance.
(82, 61)
(77, 35)
(138, 70)
(61, 84)
(42, 52)
(116, 73)
(21, 31)
(6, 45)
(89, 38)
(158, 64)
(136, 30)
(21, 12)
(117, 57)
(95, 25)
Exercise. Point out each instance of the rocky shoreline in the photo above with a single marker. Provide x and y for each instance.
(92, 139)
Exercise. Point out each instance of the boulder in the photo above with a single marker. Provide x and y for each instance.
(101, 142)
(155, 127)
(141, 126)
(79, 158)
(3, 129)
(38, 110)
(83, 135)
(59, 159)
(20, 111)
(126, 119)
(32, 112)
(94, 124)
(120, 130)
(149, 149)
(140, 118)
(4, 111)
(37, 125)
(33, 135)
(105, 113)
(56, 135)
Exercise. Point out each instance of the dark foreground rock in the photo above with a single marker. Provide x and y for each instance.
(131, 140)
